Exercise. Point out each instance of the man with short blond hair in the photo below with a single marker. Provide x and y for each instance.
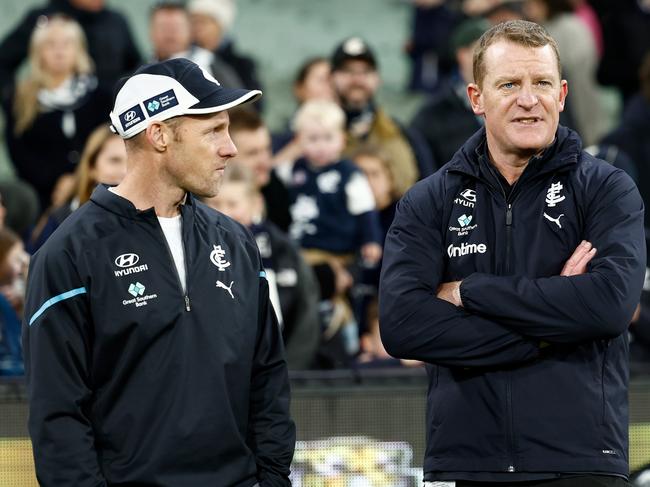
(514, 272)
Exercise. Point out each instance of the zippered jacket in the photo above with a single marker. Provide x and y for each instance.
(531, 374)
(132, 381)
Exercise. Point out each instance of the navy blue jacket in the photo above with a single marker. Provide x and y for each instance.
(132, 381)
(500, 400)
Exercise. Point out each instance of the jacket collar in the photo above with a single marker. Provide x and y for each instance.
(123, 207)
(563, 152)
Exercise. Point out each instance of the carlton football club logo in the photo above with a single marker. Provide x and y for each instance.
(217, 258)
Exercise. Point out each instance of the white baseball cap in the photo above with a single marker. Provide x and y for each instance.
(168, 89)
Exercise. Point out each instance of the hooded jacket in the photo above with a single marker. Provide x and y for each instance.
(133, 381)
(529, 378)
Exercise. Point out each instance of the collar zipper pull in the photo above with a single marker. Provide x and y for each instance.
(187, 303)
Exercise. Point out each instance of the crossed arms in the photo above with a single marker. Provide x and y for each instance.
(503, 319)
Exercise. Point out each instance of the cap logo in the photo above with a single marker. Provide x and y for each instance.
(131, 116)
(354, 47)
(161, 102)
(153, 106)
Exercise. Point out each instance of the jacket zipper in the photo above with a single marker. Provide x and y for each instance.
(508, 236)
(185, 293)
(602, 382)
(509, 200)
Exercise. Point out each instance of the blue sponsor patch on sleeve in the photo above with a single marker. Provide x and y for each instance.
(131, 117)
(161, 102)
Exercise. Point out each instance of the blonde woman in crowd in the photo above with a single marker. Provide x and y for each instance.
(51, 112)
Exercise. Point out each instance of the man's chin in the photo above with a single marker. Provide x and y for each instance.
(355, 103)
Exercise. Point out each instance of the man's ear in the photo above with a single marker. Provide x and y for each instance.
(475, 98)
(158, 136)
(564, 91)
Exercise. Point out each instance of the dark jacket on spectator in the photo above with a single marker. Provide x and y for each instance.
(11, 355)
(110, 42)
(446, 121)
(298, 292)
(44, 152)
(626, 35)
(631, 136)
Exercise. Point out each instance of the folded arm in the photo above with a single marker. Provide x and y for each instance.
(575, 308)
(414, 322)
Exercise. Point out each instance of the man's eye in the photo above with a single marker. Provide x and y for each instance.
(508, 86)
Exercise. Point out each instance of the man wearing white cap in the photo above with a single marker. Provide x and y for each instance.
(153, 356)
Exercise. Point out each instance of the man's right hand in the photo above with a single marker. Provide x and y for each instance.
(577, 263)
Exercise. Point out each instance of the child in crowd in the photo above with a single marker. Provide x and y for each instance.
(373, 354)
(376, 166)
(332, 207)
(13, 271)
(293, 289)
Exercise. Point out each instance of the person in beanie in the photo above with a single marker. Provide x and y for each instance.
(153, 355)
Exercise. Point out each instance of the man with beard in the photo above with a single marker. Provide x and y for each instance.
(356, 80)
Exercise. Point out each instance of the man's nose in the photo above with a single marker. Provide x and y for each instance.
(228, 149)
(527, 99)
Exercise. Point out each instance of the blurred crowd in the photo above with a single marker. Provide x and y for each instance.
(319, 195)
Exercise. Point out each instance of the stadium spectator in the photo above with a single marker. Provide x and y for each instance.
(428, 47)
(171, 37)
(253, 142)
(13, 271)
(579, 63)
(293, 288)
(103, 161)
(110, 42)
(212, 21)
(626, 40)
(631, 134)
(494, 11)
(373, 354)
(312, 82)
(446, 121)
(356, 79)
(588, 16)
(332, 207)
(525, 337)
(376, 166)
(21, 207)
(54, 108)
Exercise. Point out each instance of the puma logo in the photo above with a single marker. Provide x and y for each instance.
(554, 220)
(227, 288)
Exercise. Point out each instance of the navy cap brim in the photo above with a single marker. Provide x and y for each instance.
(224, 99)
